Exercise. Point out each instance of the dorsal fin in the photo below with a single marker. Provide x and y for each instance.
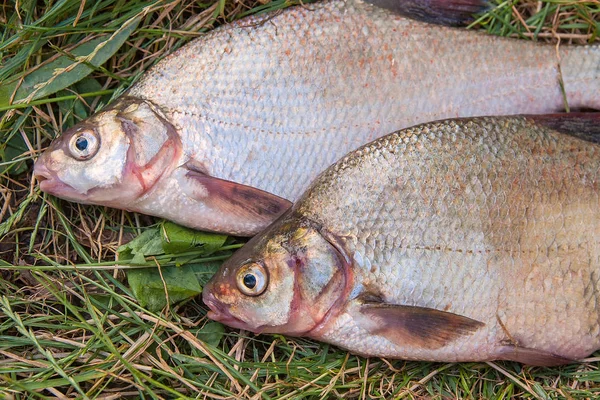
(441, 12)
(583, 125)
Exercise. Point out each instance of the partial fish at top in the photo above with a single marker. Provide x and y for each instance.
(224, 133)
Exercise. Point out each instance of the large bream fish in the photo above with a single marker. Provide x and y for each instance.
(222, 133)
(459, 240)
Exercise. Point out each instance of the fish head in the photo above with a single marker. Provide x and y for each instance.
(287, 280)
(112, 158)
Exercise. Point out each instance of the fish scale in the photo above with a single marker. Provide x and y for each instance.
(487, 225)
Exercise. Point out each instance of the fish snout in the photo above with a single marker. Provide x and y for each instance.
(216, 309)
(208, 298)
(49, 181)
(220, 312)
(42, 174)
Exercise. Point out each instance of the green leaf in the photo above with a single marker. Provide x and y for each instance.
(75, 107)
(88, 85)
(52, 76)
(182, 281)
(149, 289)
(149, 243)
(178, 239)
(104, 299)
(204, 271)
(211, 333)
(11, 150)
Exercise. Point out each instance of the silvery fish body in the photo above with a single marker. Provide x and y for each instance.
(459, 240)
(271, 101)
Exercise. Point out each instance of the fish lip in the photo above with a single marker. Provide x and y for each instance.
(55, 188)
(220, 312)
(44, 176)
(41, 171)
(226, 319)
(49, 183)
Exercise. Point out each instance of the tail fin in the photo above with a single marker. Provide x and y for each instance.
(441, 12)
(584, 126)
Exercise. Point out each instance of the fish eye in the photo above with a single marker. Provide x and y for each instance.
(252, 279)
(84, 145)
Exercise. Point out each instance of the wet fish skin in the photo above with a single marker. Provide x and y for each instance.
(459, 240)
(307, 100)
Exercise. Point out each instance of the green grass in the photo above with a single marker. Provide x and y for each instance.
(77, 331)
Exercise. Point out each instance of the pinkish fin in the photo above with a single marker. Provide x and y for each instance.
(250, 206)
(442, 12)
(532, 356)
(583, 125)
(415, 326)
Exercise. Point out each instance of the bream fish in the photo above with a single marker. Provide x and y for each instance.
(460, 240)
(224, 133)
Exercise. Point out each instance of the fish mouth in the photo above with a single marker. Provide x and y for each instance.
(45, 178)
(49, 183)
(220, 312)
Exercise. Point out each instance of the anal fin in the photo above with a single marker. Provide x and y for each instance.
(415, 326)
(532, 356)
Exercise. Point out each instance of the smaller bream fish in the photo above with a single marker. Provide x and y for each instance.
(460, 240)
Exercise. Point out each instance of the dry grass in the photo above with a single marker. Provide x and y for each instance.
(78, 332)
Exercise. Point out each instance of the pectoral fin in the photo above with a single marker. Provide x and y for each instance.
(244, 210)
(415, 326)
(442, 12)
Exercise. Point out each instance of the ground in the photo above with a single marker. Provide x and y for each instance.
(71, 325)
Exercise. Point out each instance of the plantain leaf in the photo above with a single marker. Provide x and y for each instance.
(52, 76)
(149, 289)
(211, 333)
(147, 244)
(75, 110)
(182, 281)
(178, 239)
(204, 271)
